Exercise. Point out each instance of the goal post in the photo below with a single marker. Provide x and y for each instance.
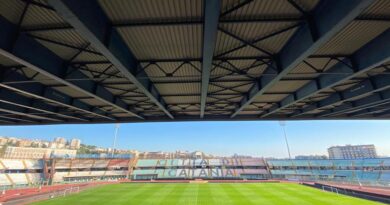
(330, 188)
(71, 190)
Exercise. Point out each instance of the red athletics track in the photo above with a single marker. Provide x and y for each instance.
(372, 190)
(27, 192)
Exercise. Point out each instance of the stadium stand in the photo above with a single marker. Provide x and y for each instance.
(385, 176)
(4, 181)
(62, 163)
(82, 163)
(18, 178)
(118, 163)
(223, 168)
(360, 171)
(80, 170)
(35, 178)
(33, 164)
(100, 163)
(13, 164)
(27, 172)
(58, 177)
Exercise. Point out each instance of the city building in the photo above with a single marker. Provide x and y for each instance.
(24, 143)
(36, 153)
(56, 145)
(3, 141)
(75, 144)
(60, 140)
(352, 152)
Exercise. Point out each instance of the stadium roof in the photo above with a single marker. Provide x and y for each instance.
(72, 61)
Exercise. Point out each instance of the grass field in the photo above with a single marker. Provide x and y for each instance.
(188, 194)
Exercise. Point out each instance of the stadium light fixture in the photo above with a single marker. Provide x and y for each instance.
(115, 137)
(282, 125)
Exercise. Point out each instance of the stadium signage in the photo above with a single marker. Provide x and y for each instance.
(197, 162)
(200, 173)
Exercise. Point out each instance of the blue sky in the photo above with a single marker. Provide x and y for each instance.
(257, 138)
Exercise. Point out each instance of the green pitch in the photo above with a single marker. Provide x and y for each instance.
(188, 194)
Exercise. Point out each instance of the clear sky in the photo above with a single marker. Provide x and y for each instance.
(260, 138)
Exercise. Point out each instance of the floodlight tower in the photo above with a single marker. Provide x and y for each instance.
(282, 125)
(115, 137)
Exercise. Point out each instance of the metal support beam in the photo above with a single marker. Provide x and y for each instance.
(48, 94)
(327, 19)
(369, 56)
(21, 111)
(227, 58)
(93, 25)
(2, 121)
(12, 118)
(30, 53)
(375, 99)
(210, 30)
(371, 111)
(385, 115)
(9, 97)
(170, 22)
(364, 88)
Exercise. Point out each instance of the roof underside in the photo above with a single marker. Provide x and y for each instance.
(179, 60)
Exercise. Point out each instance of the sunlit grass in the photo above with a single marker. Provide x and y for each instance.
(223, 193)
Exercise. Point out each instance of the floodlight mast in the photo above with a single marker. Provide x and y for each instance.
(115, 137)
(283, 124)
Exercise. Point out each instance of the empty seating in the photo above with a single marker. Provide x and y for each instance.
(79, 174)
(33, 164)
(35, 178)
(301, 163)
(62, 163)
(304, 172)
(82, 163)
(198, 173)
(241, 171)
(340, 163)
(321, 163)
(18, 178)
(20, 172)
(252, 162)
(255, 171)
(280, 163)
(146, 171)
(116, 172)
(100, 163)
(146, 163)
(162, 162)
(97, 173)
(323, 172)
(59, 176)
(231, 161)
(368, 175)
(283, 172)
(386, 162)
(385, 176)
(370, 162)
(345, 174)
(4, 180)
(214, 162)
(174, 173)
(228, 173)
(13, 164)
(118, 163)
